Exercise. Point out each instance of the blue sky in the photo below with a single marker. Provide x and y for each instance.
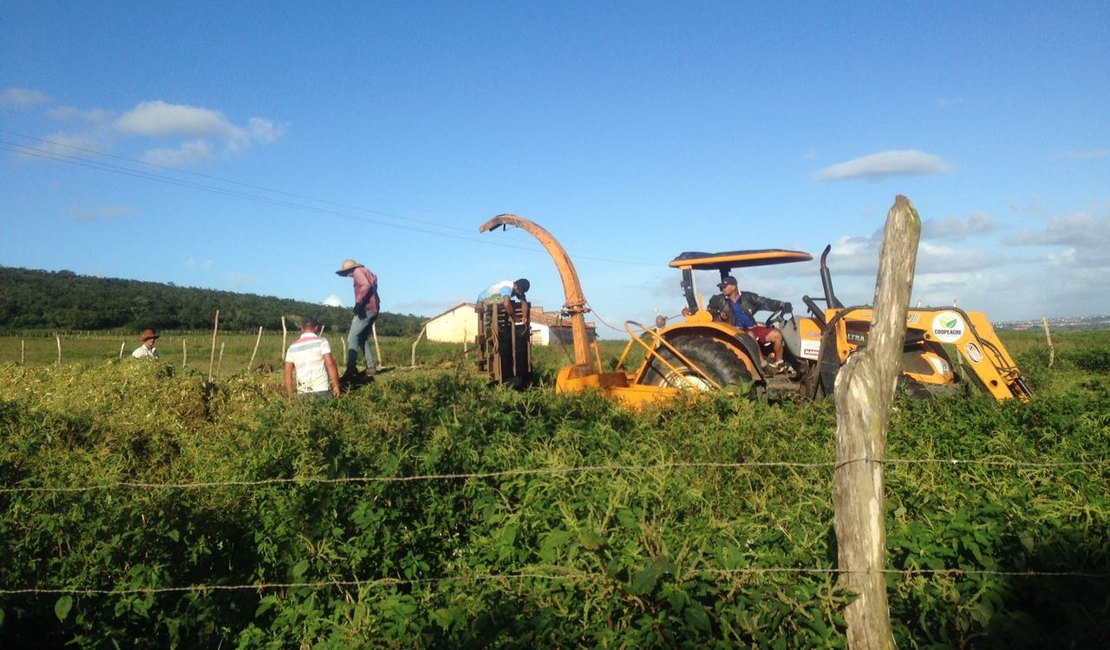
(254, 146)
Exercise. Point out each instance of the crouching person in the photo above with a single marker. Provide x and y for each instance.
(311, 361)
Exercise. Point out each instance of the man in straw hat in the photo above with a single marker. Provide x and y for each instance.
(366, 312)
(147, 349)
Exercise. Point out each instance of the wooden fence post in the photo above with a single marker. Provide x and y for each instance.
(121, 344)
(1048, 337)
(377, 350)
(255, 351)
(212, 355)
(864, 392)
(184, 354)
(58, 338)
(412, 360)
(284, 332)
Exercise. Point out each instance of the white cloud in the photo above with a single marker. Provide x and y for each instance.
(885, 163)
(943, 260)
(855, 255)
(188, 153)
(333, 301)
(23, 98)
(58, 145)
(158, 118)
(97, 116)
(1070, 278)
(265, 131)
(1079, 229)
(1085, 239)
(958, 228)
(207, 133)
(859, 256)
(187, 134)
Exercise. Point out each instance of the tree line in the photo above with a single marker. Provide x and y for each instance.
(33, 299)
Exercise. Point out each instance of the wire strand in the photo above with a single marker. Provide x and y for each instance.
(567, 576)
(541, 471)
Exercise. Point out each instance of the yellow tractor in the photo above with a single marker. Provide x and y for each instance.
(705, 351)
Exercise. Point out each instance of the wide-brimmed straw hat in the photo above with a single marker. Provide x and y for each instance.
(148, 335)
(348, 266)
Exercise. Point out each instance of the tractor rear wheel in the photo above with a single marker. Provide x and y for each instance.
(713, 361)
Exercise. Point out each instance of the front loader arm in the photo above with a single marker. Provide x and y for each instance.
(575, 301)
(989, 360)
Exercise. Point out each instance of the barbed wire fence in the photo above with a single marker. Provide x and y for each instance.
(568, 575)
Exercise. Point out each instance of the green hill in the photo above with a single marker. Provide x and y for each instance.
(31, 300)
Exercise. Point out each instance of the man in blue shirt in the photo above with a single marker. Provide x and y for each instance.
(746, 303)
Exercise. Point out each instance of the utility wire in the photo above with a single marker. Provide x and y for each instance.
(326, 207)
(174, 170)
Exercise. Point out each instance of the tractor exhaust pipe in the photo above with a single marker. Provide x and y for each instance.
(826, 282)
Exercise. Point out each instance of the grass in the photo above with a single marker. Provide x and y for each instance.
(234, 350)
(649, 553)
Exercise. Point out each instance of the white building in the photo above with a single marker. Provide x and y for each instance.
(541, 334)
(457, 324)
(460, 323)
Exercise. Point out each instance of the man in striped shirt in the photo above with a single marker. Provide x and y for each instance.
(310, 359)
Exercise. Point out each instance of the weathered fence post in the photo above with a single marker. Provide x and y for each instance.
(184, 354)
(212, 355)
(412, 359)
(864, 392)
(377, 350)
(284, 333)
(255, 351)
(58, 338)
(121, 344)
(1048, 337)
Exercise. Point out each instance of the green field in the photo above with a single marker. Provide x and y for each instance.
(232, 353)
(144, 506)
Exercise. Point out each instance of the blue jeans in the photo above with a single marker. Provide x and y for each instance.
(359, 339)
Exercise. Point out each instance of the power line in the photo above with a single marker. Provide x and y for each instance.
(260, 198)
(259, 193)
(186, 172)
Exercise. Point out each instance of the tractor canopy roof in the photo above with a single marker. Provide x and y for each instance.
(700, 261)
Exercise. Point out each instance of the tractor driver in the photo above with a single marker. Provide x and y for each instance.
(744, 304)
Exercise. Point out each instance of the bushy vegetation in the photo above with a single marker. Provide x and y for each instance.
(63, 300)
(143, 506)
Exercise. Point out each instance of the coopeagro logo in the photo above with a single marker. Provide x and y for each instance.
(948, 327)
